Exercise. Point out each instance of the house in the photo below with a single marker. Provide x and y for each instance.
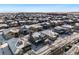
(63, 29)
(18, 44)
(38, 38)
(14, 32)
(50, 34)
(3, 26)
(46, 25)
(36, 27)
(5, 50)
(24, 29)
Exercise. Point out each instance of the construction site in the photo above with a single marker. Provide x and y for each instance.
(39, 33)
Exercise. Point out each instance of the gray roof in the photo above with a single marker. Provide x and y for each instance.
(12, 44)
(4, 50)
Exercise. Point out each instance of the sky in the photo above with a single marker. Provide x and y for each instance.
(39, 7)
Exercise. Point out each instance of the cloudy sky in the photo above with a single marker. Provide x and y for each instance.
(39, 7)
